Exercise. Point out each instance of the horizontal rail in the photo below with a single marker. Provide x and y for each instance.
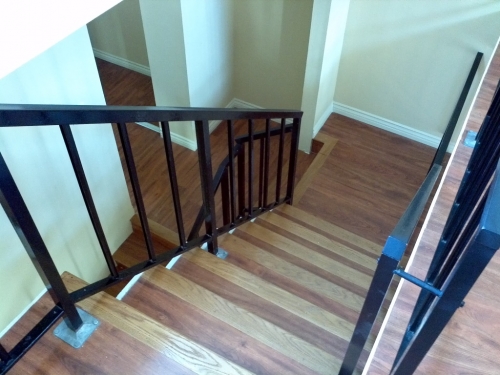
(400, 236)
(36, 115)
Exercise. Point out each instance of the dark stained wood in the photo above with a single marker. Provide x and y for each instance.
(469, 343)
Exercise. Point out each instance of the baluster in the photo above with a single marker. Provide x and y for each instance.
(134, 180)
(20, 218)
(206, 178)
(280, 160)
(241, 180)
(167, 143)
(292, 164)
(266, 162)
(69, 140)
(261, 172)
(226, 214)
(230, 141)
(250, 168)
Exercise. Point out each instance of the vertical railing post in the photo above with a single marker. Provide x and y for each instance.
(174, 186)
(374, 299)
(69, 140)
(226, 201)
(250, 168)
(279, 170)
(4, 356)
(241, 181)
(292, 164)
(20, 218)
(206, 178)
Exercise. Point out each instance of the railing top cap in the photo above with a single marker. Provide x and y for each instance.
(34, 114)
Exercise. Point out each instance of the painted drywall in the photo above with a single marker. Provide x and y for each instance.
(27, 27)
(270, 51)
(208, 44)
(64, 74)
(406, 61)
(335, 31)
(323, 56)
(189, 49)
(119, 33)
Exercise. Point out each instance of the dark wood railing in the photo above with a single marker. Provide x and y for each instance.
(235, 176)
(397, 242)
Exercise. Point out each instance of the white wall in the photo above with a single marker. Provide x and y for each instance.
(64, 74)
(119, 34)
(323, 58)
(27, 27)
(189, 49)
(406, 61)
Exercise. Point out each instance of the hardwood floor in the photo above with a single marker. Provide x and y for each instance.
(359, 178)
(469, 343)
(286, 299)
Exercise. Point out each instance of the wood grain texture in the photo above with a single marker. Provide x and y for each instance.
(315, 284)
(158, 337)
(300, 251)
(246, 322)
(468, 344)
(337, 249)
(330, 230)
(209, 331)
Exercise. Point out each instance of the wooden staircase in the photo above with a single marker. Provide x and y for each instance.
(284, 301)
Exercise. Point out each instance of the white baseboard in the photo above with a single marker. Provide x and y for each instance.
(388, 125)
(139, 68)
(319, 124)
(183, 141)
(22, 313)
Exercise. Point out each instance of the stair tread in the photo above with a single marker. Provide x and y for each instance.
(236, 245)
(329, 322)
(324, 226)
(319, 239)
(271, 335)
(210, 331)
(157, 336)
(319, 260)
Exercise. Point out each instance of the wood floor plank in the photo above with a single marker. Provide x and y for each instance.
(316, 284)
(155, 335)
(328, 145)
(306, 310)
(304, 264)
(263, 308)
(319, 239)
(337, 233)
(210, 331)
(319, 260)
(108, 351)
(271, 335)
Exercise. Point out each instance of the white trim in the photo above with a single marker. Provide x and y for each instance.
(21, 314)
(183, 141)
(238, 103)
(150, 126)
(172, 262)
(129, 286)
(139, 68)
(319, 124)
(388, 125)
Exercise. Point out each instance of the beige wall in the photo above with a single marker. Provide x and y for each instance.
(270, 51)
(407, 61)
(64, 74)
(120, 33)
